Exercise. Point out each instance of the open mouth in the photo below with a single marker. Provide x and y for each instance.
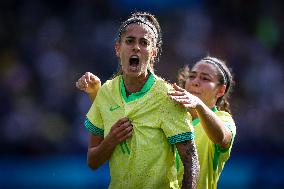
(134, 62)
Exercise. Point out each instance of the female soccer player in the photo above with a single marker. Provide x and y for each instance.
(133, 122)
(207, 87)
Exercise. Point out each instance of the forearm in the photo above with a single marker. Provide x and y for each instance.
(92, 96)
(188, 153)
(100, 154)
(213, 126)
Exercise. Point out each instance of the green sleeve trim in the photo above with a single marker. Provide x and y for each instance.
(216, 156)
(219, 150)
(223, 150)
(93, 129)
(181, 138)
(214, 109)
(195, 122)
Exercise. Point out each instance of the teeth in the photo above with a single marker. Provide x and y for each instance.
(134, 56)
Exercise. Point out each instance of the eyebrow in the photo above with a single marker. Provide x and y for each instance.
(132, 37)
(201, 73)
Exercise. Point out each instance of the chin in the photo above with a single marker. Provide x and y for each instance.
(132, 73)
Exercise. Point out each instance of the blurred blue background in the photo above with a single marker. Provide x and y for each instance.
(45, 46)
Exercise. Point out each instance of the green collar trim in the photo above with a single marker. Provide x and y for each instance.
(214, 109)
(196, 120)
(133, 96)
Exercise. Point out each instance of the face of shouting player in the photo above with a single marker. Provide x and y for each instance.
(136, 49)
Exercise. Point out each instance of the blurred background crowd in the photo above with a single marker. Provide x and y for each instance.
(45, 46)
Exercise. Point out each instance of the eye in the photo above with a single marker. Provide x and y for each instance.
(144, 42)
(129, 40)
(205, 78)
(191, 76)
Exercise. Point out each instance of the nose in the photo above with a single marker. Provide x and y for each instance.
(136, 47)
(195, 82)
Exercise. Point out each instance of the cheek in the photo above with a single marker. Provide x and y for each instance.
(146, 55)
(148, 52)
(210, 91)
(187, 85)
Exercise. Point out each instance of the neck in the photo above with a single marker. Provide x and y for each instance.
(134, 84)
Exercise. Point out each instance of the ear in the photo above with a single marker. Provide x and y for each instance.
(154, 53)
(117, 49)
(221, 91)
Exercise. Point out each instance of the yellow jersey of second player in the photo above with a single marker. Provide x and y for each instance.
(212, 157)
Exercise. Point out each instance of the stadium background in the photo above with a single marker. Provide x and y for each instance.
(45, 46)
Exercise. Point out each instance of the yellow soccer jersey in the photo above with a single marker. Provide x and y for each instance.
(147, 159)
(211, 157)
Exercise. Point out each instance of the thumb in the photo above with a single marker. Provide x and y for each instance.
(177, 88)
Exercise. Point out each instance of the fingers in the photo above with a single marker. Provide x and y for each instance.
(121, 122)
(126, 136)
(178, 88)
(91, 78)
(121, 130)
(180, 97)
(184, 98)
(81, 85)
(94, 79)
(88, 82)
(125, 133)
(187, 103)
(121, 125)
(176, 93)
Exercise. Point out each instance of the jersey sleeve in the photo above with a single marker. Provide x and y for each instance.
(222, 154)
(175, 122)
(94, 121)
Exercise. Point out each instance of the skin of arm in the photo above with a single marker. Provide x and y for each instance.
(211, 123)
(92, 96)
(100, 149)
(214, 126)
(188, 154)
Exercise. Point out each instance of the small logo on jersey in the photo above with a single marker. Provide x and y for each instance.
(112, 108)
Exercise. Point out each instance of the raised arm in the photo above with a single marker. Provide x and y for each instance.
(211, 123)
(90, 84)
(188, 154)
(100, 149)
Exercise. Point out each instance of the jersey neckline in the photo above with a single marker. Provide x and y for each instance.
(133, 96)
